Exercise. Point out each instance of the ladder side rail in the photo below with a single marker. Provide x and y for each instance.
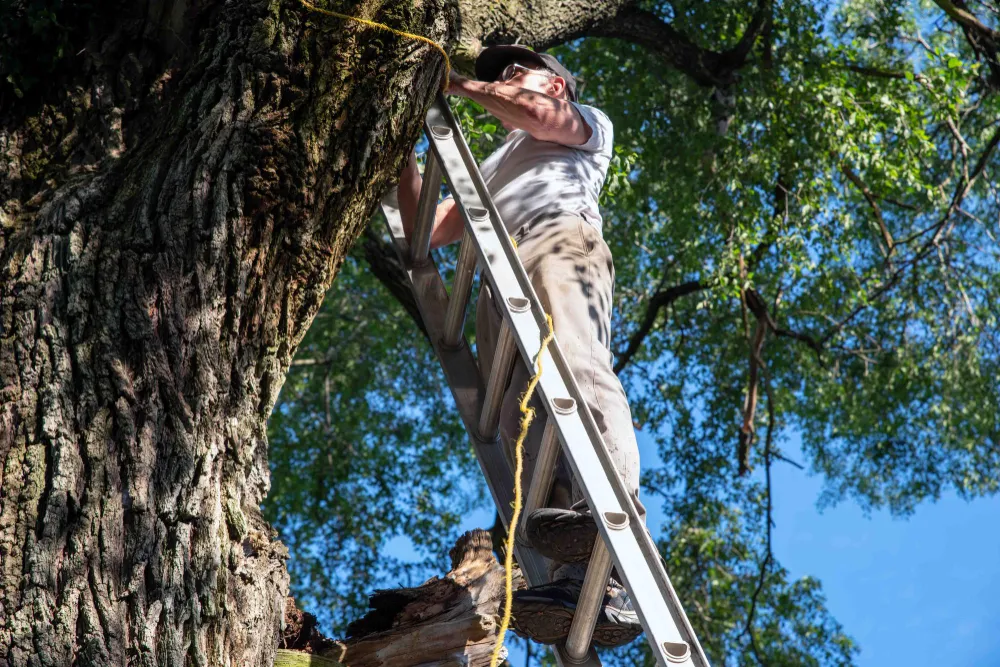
(462, 374)
(637, 558)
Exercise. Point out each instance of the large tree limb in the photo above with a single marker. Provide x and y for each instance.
(547, 23)
(706, 67)
(759, 25)
(540, 24)
(967, 19)
(443, 622)
(646, 29)
(984, 40)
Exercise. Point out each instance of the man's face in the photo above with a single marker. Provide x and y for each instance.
(526, 75)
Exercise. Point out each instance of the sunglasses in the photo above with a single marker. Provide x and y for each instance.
(516, 69)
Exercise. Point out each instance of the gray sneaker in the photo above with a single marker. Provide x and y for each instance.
(544, 613)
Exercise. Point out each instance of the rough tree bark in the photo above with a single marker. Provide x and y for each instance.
(175, 199)
(171, 220)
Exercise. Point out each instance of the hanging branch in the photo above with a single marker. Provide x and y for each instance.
(756, 343)
(662, 299)
(768, 556)
(751, 302)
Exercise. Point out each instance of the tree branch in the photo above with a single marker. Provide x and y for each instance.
(708, 68)
(384, 265)
(967, 19)
(645, 28)
(540, 24)
(759, 309)
(965, 185)
(661, 299)
(985, 41)
(876, 209)
(758, 26)
(748, 628)
(882, 73)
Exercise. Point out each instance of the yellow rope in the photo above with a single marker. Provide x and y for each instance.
(527, 414)
(382, 26)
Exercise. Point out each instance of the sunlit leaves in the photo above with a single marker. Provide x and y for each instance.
(364, 447)
(864, 122)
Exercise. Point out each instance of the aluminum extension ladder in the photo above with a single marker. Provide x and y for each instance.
(486, 245)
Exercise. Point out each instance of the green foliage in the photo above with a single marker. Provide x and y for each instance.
(865, 122)
(35, 36)
(364, 446)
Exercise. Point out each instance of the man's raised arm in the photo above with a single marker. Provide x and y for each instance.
(544, 117)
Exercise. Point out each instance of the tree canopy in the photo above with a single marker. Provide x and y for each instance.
(804, 225)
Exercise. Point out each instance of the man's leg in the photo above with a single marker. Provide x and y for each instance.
(488, 322)
(571, 270)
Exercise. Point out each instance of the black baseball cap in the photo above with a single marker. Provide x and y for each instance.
(492, 61)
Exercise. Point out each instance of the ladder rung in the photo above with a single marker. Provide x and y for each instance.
(458, 300)
(545, 468)
(595, 583)
(503, 365)
(426, 209)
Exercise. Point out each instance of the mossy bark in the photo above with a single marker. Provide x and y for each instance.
(174, 203)
(171, 220)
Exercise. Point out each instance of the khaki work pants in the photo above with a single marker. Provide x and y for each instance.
(571, 269)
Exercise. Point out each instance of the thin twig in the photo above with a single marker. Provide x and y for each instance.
(778, 455)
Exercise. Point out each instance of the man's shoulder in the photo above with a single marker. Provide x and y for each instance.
(596, 113)
(602, 130)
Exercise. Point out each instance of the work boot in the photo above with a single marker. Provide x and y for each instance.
(565, 536)
(544, 613)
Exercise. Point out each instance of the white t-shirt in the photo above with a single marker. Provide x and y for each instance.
(528, 177)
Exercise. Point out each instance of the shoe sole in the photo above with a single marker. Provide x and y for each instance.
(564, 539)
(546, 624)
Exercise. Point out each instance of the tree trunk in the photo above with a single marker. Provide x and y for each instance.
(442, 623)
(176, 194)
(169, 228)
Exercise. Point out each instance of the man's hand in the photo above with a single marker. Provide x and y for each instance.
(457, 85)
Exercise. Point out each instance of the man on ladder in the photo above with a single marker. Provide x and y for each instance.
(545, 181)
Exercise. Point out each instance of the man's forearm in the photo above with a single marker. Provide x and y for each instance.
(511, 104)
(542, 116)
(447, 225)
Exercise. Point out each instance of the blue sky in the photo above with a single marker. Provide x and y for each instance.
(924, 590)
(921, 591)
